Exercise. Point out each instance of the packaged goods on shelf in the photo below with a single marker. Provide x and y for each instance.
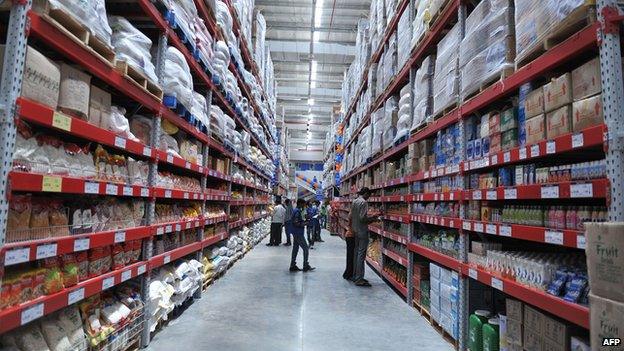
(259, 30)
(604, 268)
(374, 250)
(366, 140)
(404, 39)
(177, 80)
(423, 90)
(445, 78)
(224, 20)
(244, 10)
(176, 212)
(391, 111)
(377, 132)
(91, 14)
(444, 241)
(74, 91)
(536, 20)
(132, 46)
(404, 122)
(486, 51)
(396, 271)
(444, 298)
(421, 22)
(381, 17)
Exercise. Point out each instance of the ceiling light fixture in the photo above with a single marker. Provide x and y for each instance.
(318, 13)
(311, 101)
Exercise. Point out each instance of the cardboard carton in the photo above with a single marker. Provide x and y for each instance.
(533, 319)
(532, 340)
(586, 80)
(605, 322)
(514, 309)
(535, 129)
(99, 107)
(509, 119)
(514, 332)
(559, 122)
(534, 103)
(558, 92)
(587, 113)
(556, 331)
(605, 259)
(509, 139)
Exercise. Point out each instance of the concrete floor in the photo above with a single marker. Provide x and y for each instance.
(259, 305)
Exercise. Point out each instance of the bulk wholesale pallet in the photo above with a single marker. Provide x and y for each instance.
(97, 208)
(487, 142)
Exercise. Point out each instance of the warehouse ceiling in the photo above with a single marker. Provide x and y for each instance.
(312, 44)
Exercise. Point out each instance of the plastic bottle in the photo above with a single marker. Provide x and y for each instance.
(475, 329)
(490, 335)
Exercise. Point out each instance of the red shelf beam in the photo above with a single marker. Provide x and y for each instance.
(386, 234)
(447, 261)
(596, 188)
(170, 256)
(398, 286)
(449, 222)
(214, 239)
(395, 257)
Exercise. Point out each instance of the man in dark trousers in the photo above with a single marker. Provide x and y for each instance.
(359, 224)
(298, 229)
(277, 222)
(288, 220)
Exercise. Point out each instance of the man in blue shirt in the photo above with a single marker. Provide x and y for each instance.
(297, 230)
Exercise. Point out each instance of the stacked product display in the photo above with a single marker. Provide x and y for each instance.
(135, 147)
(490, 159)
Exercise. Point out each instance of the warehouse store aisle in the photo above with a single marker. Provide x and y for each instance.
(260, 305)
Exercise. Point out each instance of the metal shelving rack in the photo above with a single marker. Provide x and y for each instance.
(602, 36)
(24, 23)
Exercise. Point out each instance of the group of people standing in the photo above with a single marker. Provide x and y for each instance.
(295, 220)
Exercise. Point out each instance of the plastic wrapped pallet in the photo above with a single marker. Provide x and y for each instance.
(366, 140)
(487, 48)
(41, 79)
(404, 38)
(224, 20)
(390, 60)
(381, 17)
(536, 19)
(423, 88)
(404, 122)
(177, 80)
(421, 22)
(445, 82)
(92, 14)
(259, 31)
(132, 46)
(391, 112)
(390, 10)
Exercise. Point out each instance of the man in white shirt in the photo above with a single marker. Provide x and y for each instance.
(277, 222)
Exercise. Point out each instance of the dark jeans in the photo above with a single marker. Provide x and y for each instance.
(348, 273)
(276, 234)
(311, 233)
(288, 229)
(361, 245)
(299, 240)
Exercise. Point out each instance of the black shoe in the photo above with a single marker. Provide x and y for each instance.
(269, 244)
(321, 241)
(286, 244)
(362, 282)
(347, 277)
(307, 268)
(294, 269)
(311, 247)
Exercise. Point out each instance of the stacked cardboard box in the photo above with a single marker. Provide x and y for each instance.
(444, 298)
(445, 78)
(421, 275)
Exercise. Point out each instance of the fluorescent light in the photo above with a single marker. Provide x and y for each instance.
(317, 36)
(318, 14)
(313, 75)
(313, 84)
(311, 102)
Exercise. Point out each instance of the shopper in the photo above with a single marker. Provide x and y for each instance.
(359, 224)
(298, 228)
(350, 240)
(288, 221)
(313, 222)
(317, 223)
(323, 211)
(277, 222)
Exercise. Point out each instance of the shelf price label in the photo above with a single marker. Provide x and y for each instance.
(75, 296)
(120, 142)
(582, 190)
(490, 229)
(46, 250)
(476, 195)
(467, 226)
(144, 192)
(551, 147)
(81, 244)
(61, 121)
(16, 256)
(112, 189)
(170, 158)
(160, 231)
(549, 192)
(178, 227)
(127, 191)
(504, 230)
(510, 194)
(577, 140)
(91, 188)
(168, 193)
(187, 165)
(580, 241)
(553, 237)
(108, 282)
(186, 195)
(120, 237)
(167, 259)
(51, 184)
(478, 227)
(125, 275)
(491, 195)
(147, 151)
(535, 150)
(497, 284)
(141, 269)
(472, 273)
(31, 313)
(168, 228)
(522, 153)
(507, 157)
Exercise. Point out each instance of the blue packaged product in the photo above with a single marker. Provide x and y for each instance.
(524, 90)
(470, 150)
(477, 148)
(575, 288)
(485, 146)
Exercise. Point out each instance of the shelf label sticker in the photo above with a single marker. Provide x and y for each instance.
(522, 153)
(168, 193)
(476, 195)
(550, 192)
(426, 175)
(535, 150)
(187, 165)
(147, 151)
(504, 230)
(553, 237)
(195, 196)
(112, 189)
(188, 225)
(127, 191)
(16, 256)
(31, 313)
(497, 284)
(108, 282)
(577, 140)
(178, 227)
(472, 273)
(51, 184)
(120, 142)
(436, 197)
(490, 229)
(452, 196)
(551, 147)
(75, 296)
(120, 237)
(141, 269)
(144, 192)
(494, 159)
(580, 241)
(170, 158)
(91, 188)
(168, 228)
(46, 250)
(160, 231)
(167, 259)
(186, 196)
(478, 227)
(125, 275)
(491, 195)
(201, 169)
(582, 190)
(467, 225)
(81, 244)
(61, 121)
(510, 194)
(507, 156)
(452, 223)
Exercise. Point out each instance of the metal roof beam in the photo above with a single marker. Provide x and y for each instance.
(303, 47)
